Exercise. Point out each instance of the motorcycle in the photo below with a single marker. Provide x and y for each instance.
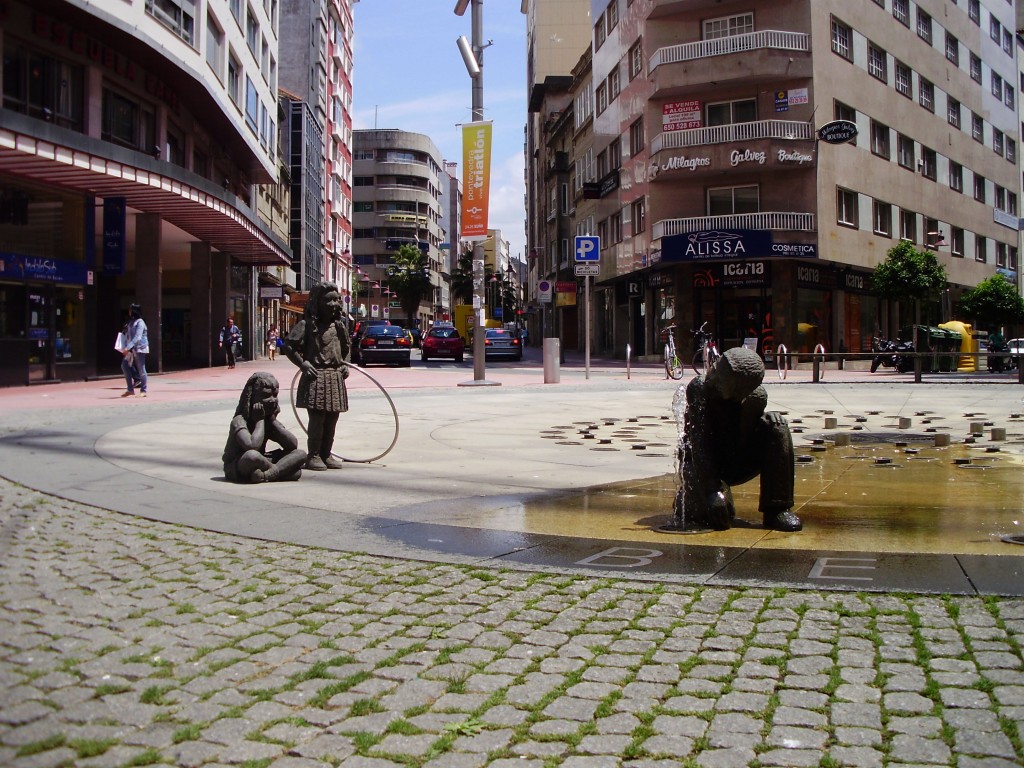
(892, 354)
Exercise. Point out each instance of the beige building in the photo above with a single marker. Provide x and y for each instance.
(399, 184)
(716, 200)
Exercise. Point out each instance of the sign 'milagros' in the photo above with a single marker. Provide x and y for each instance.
(837, 132)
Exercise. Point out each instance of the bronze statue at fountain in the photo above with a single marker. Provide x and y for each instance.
(246, 458)
(727, 438)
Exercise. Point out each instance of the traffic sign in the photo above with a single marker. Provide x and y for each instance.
(544, 290)
(588, 248)
(588, 270)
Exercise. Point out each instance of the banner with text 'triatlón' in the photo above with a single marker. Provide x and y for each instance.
(476, 179)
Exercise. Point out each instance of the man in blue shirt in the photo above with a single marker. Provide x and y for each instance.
(229, 337)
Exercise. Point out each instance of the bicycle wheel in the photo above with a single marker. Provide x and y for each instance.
(673, 367)
(700, 363)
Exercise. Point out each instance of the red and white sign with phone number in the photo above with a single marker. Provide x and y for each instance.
(680, 115)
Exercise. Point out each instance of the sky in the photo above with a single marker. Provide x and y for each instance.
(409, 75)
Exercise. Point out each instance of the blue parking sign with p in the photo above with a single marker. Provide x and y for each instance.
(588, 248)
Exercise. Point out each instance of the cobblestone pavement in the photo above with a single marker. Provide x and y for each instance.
(125, 642)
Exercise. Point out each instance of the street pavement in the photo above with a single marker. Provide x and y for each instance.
(379, 616)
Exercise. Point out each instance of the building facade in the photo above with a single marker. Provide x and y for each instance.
(716, 200)
(131, 141)
(399, 187)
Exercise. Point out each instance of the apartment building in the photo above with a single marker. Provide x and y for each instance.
(399, 184)
(316, 83)
(715, 198)
(132, 137)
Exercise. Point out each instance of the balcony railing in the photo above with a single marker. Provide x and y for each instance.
(722, 46)
(724, 134)
(789, 221)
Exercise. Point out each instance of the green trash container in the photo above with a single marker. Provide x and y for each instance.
(942, 343)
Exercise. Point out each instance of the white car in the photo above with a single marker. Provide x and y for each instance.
(1016, 346)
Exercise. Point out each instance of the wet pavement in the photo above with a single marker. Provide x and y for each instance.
(493, 592)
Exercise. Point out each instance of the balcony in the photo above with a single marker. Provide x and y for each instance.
(765, 145)
(776, 221)
(766, 56)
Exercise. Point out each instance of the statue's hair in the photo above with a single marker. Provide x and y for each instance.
(245, 400)
(311, 312)
(740, 363)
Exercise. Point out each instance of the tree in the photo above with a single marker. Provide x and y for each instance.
(992, 303)
(462, 279)
(908, 274)
(409, 278)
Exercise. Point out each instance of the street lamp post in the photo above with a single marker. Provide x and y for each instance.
(473, 57)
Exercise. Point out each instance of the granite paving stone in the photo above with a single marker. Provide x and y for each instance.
(303, 651)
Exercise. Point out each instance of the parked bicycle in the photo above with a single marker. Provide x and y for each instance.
(707, 351)
(673, 365)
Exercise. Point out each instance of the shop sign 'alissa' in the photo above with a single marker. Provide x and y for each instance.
(837, 132)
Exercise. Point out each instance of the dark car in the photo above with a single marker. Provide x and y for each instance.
(388, 344)
(500, 343)
(442, 341)
(357, 334)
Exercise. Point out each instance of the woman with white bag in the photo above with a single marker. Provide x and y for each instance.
(136, 347)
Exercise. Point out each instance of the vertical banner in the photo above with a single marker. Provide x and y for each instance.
(114, 235)
(476, 179)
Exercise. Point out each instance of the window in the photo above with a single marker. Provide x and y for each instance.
(639, 212)
(980, 249)
(924, 26)
(599, 32)
(365, 207)
(615, 227)
(877, 63)
(975, 68)
(997, 86)
(979, 188)
(42, 87)
(252, 104)
(234, 79)
(1007, 42)
(730, 112)
(908, 225)
(362, 181)
(614, 85)
(1000, 198)
(926, 94)
(929, 163)
(841, 39)
(1001, 255)
(1009, 97)
(902, 80)
(952, 49)
(901, 12)
(636, 137)
(846, 207)
(615, 154)
(956, 176)
(879, 139)
(724, 201)
(215, 47)
(177, 15)
(956, 247)
(236, 10)
(977, 127)
(602, 97)
(612, 15)
(994, 29)
(128, 122)
(728, 26)
(905, 151)
(252, 30)
(1011, 150)
(602, 164)
(953, 111)
(841, 111)
(974, 11)
(882, 216)
(636, 59)
(932, 234)
(997, 142)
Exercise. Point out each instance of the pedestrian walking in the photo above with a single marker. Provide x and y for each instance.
(133, 356)
(273, 339)
(230, 341)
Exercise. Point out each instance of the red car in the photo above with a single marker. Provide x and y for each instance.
(442, 341)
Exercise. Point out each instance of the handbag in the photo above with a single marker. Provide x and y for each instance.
(119, 342)
(280, 342)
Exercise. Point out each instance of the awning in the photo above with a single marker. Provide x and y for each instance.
(74, 163)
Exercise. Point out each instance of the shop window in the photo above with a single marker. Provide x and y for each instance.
(12, 311)
(69, 316)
